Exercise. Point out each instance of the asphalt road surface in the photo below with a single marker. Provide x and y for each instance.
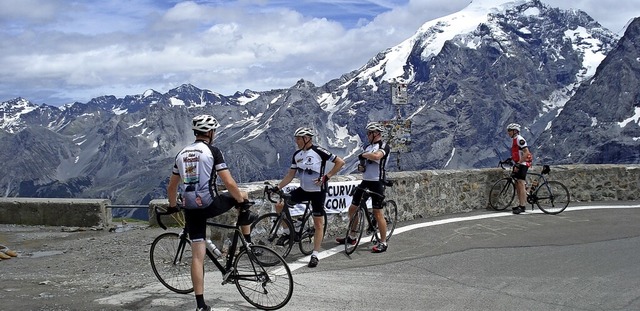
(586, 258)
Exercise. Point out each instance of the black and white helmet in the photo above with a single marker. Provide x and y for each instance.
(204, 123)
(375, 126)
(303, 131)
(513, 126)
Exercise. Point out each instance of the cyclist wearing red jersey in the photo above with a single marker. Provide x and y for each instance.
(372, 165)
(308, 162)
(522, 157)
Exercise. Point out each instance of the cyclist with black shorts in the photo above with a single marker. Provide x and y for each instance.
(195, 170)
(372, 165)
(522, 158)
(308, 162)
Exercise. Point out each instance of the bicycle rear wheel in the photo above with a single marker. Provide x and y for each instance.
(356, 226)
(552, 197)
(307, 233)
(267, 287)
(267, 230)
(502, 194)
(171, 262)
(391, 217)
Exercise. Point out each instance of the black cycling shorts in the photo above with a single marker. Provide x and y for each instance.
(520, 171)
(298, 195)
(375, 186)
(197, 218)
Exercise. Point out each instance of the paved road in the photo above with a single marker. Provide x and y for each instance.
(583, 259)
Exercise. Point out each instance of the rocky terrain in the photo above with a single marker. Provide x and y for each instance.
(62, 268)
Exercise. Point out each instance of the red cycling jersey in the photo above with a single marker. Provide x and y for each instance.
(518, 144)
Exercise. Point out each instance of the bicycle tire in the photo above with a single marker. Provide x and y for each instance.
(552, 197)
(307, 233)
(502, 194)
(391, 217)
(267, 287)
(174, 276)
(357, 221)
(267, 230)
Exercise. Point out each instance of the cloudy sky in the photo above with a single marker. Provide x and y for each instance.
(60, 51)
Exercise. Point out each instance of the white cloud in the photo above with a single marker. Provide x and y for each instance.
(56, 51)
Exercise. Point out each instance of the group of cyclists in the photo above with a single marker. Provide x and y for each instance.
(199, 164)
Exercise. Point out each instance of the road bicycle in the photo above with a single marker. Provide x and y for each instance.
(268, 229)
(261, 276)
(362, 215)
(550, 196)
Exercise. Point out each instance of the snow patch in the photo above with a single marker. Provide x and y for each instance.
(635, 118)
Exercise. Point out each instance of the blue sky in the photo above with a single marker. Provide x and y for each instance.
(59, 51)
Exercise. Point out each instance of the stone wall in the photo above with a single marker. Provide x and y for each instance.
(55, 212)
(419, 194)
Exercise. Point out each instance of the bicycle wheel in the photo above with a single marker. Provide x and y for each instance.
(502, 194)
(267, 230)
(552, 197)
(267, 287)
(171, 262)
(391, 216)
(307, 233)
(356, 225)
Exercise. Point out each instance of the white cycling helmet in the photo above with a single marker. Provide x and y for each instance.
(204, 123)
(375, 126)
(303, 131)
(513, 126)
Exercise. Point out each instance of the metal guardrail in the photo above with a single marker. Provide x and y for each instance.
(127, 206)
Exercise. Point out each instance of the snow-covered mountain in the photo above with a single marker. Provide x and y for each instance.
(468, 75)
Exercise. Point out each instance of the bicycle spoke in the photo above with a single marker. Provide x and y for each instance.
(171, 265)
(267, 287)
(552, 197)
(501, 194)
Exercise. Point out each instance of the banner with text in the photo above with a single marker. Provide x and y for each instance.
(338, 197)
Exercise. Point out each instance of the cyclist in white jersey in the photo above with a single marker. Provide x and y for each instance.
(308, 162)
(372, 165)
(195, 170)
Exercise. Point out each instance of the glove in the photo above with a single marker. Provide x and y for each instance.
(244, 205)
(173, 209)
(361, 157)
(361, 168)
(323, 179)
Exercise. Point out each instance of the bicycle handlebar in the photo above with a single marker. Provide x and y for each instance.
(167, 212)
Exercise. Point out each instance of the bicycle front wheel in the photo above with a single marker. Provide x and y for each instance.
(502, 194)
(391, 217)
(552, 197)
(307, 233)
(354, 231)
(267, 230)
(171, 262)
(265, 286)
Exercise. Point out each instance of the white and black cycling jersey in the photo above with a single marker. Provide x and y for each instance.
(375, 170)
(198, 164)
(310, 165)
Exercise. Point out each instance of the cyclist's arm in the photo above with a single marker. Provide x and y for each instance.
(287, 178)
(374, 156)
(172, 189)
(231, 185)
(338, 163)
(525, 155)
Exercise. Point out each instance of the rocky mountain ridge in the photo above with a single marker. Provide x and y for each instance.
(467, 75)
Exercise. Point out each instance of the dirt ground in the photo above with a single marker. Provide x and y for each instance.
(65, 268)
